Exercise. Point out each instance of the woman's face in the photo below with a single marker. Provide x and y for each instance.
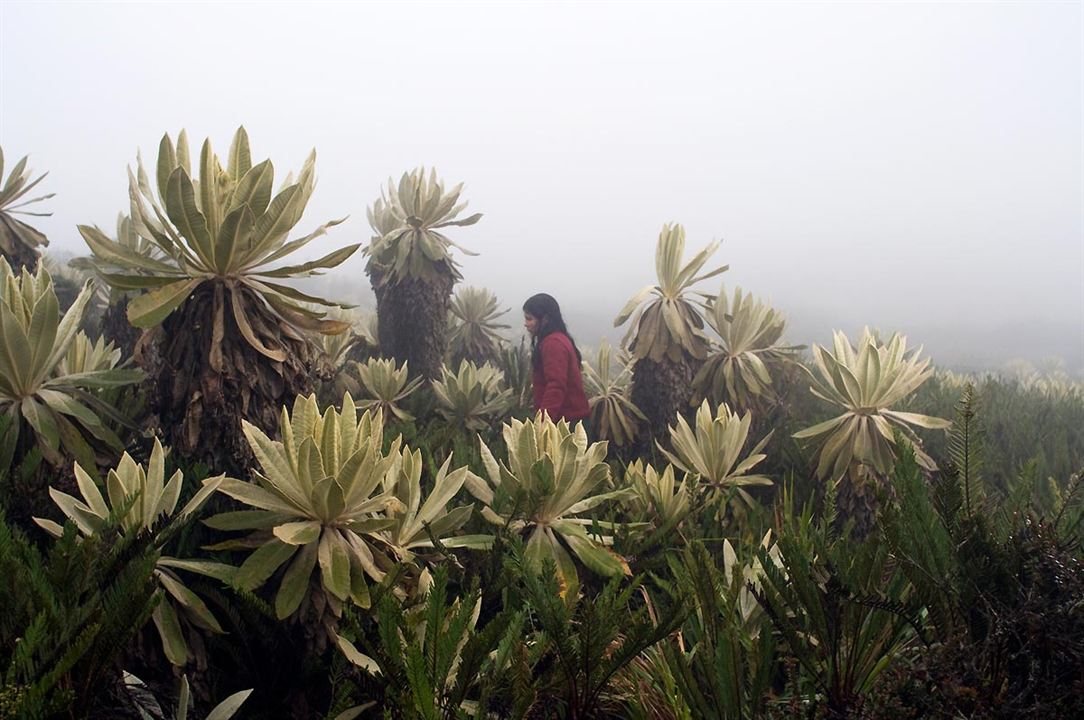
(531, 323)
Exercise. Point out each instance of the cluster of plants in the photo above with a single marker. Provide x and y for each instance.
(223, 495)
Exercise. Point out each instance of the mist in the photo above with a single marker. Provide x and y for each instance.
(912, 167)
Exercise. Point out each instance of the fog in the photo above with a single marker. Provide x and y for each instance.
(914, 167)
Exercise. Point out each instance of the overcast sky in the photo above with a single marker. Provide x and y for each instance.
(914, 166)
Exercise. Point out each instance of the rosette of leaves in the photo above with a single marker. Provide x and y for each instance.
(20, 244)
(411, 267)
(233, 338)
(866, 382)
(384, 386)
(140, 500)
(86, 355)
(408, 219)
(613, 414)
(341, 351)
(657, 497)
(114, 301)
(552, 477)
(474, 333)
(474, 397)
(319, 500)
(713, 449)
(749, 331)
(123, 406)
(59, 408)
(515, 362)
(416, 523)
(665, 335)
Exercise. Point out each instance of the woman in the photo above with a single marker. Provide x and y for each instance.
(558, 380)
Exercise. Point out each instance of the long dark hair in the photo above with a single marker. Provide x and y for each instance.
(548, 313)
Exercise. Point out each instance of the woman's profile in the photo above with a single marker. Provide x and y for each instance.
(558, 379)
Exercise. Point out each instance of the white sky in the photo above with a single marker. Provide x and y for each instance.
(914, 166)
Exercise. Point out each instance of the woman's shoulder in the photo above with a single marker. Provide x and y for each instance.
(556, 339)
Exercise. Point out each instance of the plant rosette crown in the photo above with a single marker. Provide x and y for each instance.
(39, 383)
(713, 450)
(320, 500)
(866, 382)
(224, 226)
(670, 325)
(551, 476)
(139, 498)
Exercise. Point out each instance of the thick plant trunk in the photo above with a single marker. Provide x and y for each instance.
(858, 498)
(662, 390)
(200, 408)
(22, 257)
(412, 316)
(116, 328)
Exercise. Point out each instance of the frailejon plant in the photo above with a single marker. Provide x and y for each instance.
(114, 320)
(233, 341)
(415, 523)
(515, 362)
(474, 397)
(665, 336)
(657, 498)
(20, 244)
(474, 333)
(866, 382)
(56, 406)
(411, 267)
(320, 503)
(384, 386)
(738, 371)
(613, 414)
(713, 449)
(552, 476)
(140, 500)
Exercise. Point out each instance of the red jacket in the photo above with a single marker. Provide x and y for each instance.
(558, 383)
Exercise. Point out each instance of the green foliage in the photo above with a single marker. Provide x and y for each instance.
(514, 362)
(840, 605)
(318, 505)
(1001, 580)
(384, 386)
(713, 450)
(139, 502)
(725, 662)
(68, 616)
(433, 659)
(1021, 423)
(581, 643)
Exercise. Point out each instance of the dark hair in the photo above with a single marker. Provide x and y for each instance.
(548, 312)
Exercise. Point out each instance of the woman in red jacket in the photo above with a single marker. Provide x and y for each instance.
(558, 380)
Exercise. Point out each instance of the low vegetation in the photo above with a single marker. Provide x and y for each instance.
(265, 504)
